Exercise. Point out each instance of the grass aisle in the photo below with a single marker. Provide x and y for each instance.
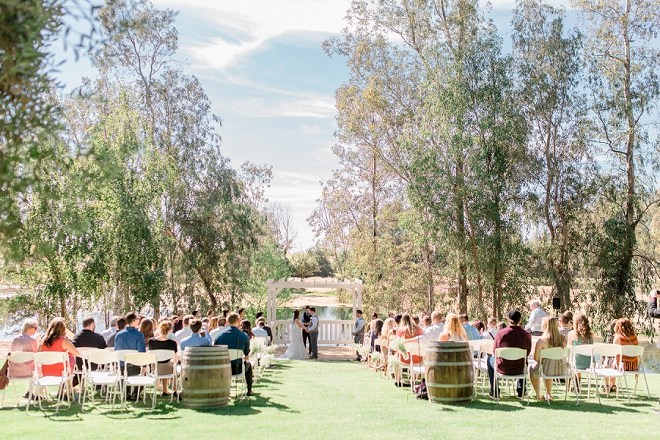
(336, 400)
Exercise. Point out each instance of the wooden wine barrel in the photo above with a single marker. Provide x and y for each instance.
(449, 372)
(205, 377)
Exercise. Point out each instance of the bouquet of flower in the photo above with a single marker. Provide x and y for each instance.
(398, 344)
(376, 356)
(364, 350)
(394, 361)
(271, 349)
(256, 346)
(266, 360)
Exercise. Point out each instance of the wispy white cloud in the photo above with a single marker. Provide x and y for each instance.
(303, 106)
(251, 22)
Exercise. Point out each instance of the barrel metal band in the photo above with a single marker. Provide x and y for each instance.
(449, 364)
(207, 391)
(456, 350)
(206, 367)
(450, 385)
(450, 399)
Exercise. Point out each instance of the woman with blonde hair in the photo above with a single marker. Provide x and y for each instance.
(162, 342)
(453, 330)
(550, 338)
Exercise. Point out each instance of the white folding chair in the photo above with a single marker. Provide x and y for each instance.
(605, 372)
(481, 363)
(238, 379)
(148, 377)
(557, 354)
(511, 354)
(107, 374)
(62, 382)
(586, 350)
(80, 372)
(19, 357)
(415, 370)
(168, 356)
(632, 351)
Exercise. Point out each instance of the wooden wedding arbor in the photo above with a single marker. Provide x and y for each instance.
(330, 331)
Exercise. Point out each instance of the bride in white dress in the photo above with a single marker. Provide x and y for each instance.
(296, 348)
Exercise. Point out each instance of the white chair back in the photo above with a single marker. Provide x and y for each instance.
(20, 357)
(511, 353)
(486, 347)
(555, 353)
(163, 355)
(235, 354)
(140, 359)
(121, 354)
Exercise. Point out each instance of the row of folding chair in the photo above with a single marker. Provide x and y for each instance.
(598, 368)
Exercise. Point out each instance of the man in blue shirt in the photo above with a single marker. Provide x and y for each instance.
(472, 332)
(131, 339)
(235, 339)
(195, 340)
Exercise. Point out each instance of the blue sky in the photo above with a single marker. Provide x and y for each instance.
(262, 65)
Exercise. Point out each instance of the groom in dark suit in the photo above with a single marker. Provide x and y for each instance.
(306, 319)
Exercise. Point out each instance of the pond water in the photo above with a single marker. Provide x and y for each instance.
(329, 313)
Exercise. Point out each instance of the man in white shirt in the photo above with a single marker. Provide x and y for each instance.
(432, 332)
(259, 331)
(110, 330)
(220, 329)
(535, 324)
(185, 331)
(492, 329)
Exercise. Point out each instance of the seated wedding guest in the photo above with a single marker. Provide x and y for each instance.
(512, 336)
(491, 331)
(163, 342)
(416, 320)
(389, 330)
(550, 338)
(259, 331)
(121, 325)
(376, 333)
(185, 331)
(55, 340)
(177, 324)
(147, 329)
(501, 325)
(225, 312)
(569, 315)
(426, 322)
(237, 340)
(210, 314)
(195, 339)
(220, 329)
(408, 331)
(131, 339)
(267, 328)
(480, 327)
(110, 330)
(241, 313)
(564, 327)
(195, 313)
(432, 332)
(246, 328)
(86, 338)
(581, 335)
(624, 334)
(472, 333)
(24, 342)
(213, 324)
(453, 330)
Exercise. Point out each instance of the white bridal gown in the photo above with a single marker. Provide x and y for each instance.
(296, 348)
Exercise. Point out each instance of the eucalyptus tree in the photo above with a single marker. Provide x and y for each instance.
(623, 60)
(548, 63)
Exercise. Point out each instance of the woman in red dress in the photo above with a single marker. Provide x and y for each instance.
(55, 340)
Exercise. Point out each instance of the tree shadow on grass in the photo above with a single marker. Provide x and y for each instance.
(509, 404)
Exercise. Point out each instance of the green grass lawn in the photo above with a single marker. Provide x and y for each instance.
(336, 400)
